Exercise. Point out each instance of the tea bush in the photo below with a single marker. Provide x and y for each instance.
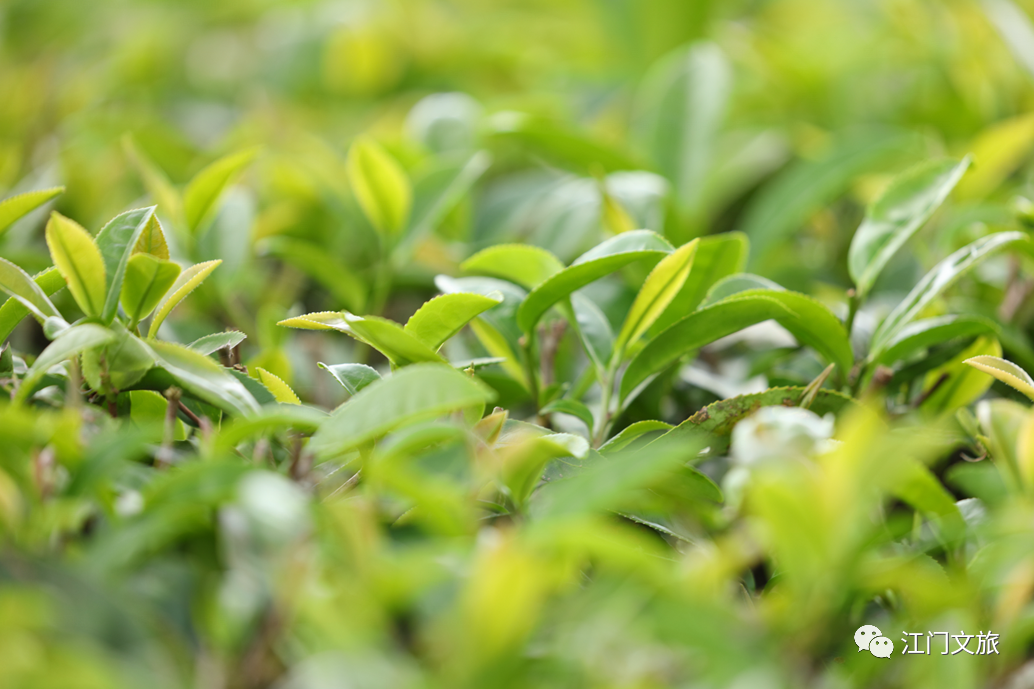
(405, 370)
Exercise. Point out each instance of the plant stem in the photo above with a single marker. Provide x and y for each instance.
(528, 344)
(607, 385)
(853, 302)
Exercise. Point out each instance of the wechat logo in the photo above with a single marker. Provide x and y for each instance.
(869, 638)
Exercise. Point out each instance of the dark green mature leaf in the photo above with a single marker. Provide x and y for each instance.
(13, 311)
(605, 258)
(16, 207)
(380, 186)
(210, 344)
(77, 257)
(204, 190)
(717, 257)
(147, 279)
(353, 377)
(942, 276)
(117, 241)
(806, 319)
(922, 334)
(17, 283)
(416, 393)
(525, 264)
(681, 107)
(203, 378)
(71, 342)
(660, 287)
(898, 214)
(718, 419)
(445, 315)
(593, 329)
(784, 205)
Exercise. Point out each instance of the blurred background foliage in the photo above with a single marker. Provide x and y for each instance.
(553, 123)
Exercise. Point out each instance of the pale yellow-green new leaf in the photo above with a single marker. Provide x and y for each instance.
(276, 385)
(660, 287)
(319, 320)
(188, 280)
(203, 192)
(152, 240)
(380, 186)
(1005, 371)
(79, 260)
(15, 207)
(147, 280)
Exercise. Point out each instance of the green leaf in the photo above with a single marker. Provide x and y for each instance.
(202, 194)
(634, 432)
(380, 186)
(605, 258)
(146, 282)
(16, 207)
(785, 204)
(13, 311)
(319, 320)
(445, 315)
(209, 344)
(718, 419)
(148, 406)
(527, 458)
(390, 339)
(961, 385)
(71, 342)
(353, 377)
(943, 275)
(339, 279)
(922, 334)
(155, 181)
(441, 189)
(593, 329)
(527, 265)
(737, 284)
(572, 407)
(681, 108)
(1005, 371)
(269, 418)
(186, 283)
(80, 262)
(203, 378)
(276, 385)
(117, 241)
(997, 152)
(415, 393)
(17, 283)
(660, 287)
(152, 240)
(901, 210)
(612, 480)
(717, 257)
(806, 319)
(118, 365)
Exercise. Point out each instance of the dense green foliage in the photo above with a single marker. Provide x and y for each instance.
(613, 343)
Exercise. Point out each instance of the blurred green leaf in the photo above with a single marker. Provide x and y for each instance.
(13, 311)
(1005, 371)
(71, 342)
(418, 392)
(202, 194)
(17, 283)
(209, 344)
(380, 185)
(942, 276)
(527, 265)
(569, 406)
(15, 207)
(898, 214)
(717, 257)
